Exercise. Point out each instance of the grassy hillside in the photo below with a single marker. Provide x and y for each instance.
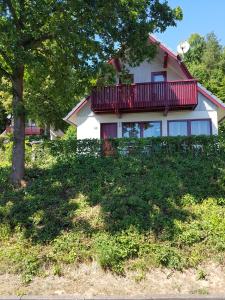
(128, 212)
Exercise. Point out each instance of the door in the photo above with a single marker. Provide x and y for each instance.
(159, 87)
(108, 130)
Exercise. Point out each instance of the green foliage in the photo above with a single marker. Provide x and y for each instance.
(71, 133)
(201, 275)
(3, 119)
(64, 44)
(51, 52)
(69, 248)
(70, 148)
(20, 256)
(163, 207)
(206, 61)
(112, 251)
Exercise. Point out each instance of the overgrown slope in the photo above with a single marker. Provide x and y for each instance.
(126, 212)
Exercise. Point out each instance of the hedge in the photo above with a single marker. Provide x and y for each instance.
(72, 148)
(194, 145)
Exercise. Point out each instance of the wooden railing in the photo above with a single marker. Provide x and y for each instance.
(148, 96)
(30, 130)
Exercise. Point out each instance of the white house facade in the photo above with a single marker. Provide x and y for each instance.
(163, 99)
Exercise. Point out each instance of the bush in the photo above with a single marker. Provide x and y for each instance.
(71, 133)
(71, 148)
(112, 251)
(153, 202)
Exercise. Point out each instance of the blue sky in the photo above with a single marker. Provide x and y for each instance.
(200, 16)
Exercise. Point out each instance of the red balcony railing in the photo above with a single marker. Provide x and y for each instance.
(30, 130)
(150, 96)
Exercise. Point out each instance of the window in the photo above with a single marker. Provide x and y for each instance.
(141, 129)
(201, 127)
(178, 128)
(151, 129)
(159, 76)
(189, 127)
(131, 130)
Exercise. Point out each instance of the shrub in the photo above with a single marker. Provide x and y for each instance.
(71, 133)
(70, 248)
(154, 202)
(169, 257)
(112, 251)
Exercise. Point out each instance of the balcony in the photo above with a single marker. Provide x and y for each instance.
(150, 96)
(30, 130)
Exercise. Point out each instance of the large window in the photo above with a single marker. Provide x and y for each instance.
(131, 130)
(189, 127)
(150, 129)
(201, 127)
(178, 128)
(141, 129)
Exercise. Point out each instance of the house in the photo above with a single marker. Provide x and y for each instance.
(31, 129)
(163, 99)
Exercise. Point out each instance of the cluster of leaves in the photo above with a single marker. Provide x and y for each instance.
(127, 211)
(206, 62)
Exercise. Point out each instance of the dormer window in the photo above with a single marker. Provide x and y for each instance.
(159, 76)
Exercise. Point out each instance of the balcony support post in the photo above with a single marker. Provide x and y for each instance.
(165, 113)
(165, 62)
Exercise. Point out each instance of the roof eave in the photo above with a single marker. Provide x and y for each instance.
(75, 110)
(172, 54)
(211, 97)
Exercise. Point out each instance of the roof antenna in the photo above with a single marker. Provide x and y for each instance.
(183, 48)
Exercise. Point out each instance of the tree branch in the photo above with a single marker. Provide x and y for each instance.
(5, 56)
(5, 73)
(34, 43)
(14, 15)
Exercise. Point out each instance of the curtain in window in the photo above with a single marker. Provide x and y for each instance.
(200, 127)
(178, 128)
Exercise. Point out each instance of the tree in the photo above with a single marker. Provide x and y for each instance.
(81, 34)
(206, 61)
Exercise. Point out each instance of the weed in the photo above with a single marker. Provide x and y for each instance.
(201, 275)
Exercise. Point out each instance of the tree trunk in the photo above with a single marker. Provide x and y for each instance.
(18, 159)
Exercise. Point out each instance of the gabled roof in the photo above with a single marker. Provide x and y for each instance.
(171, 54)
(152, 39)
(211, 97)
(76, 109)
(175, 56)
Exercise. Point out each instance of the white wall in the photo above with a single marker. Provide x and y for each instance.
(142, 73)
(88, 123)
